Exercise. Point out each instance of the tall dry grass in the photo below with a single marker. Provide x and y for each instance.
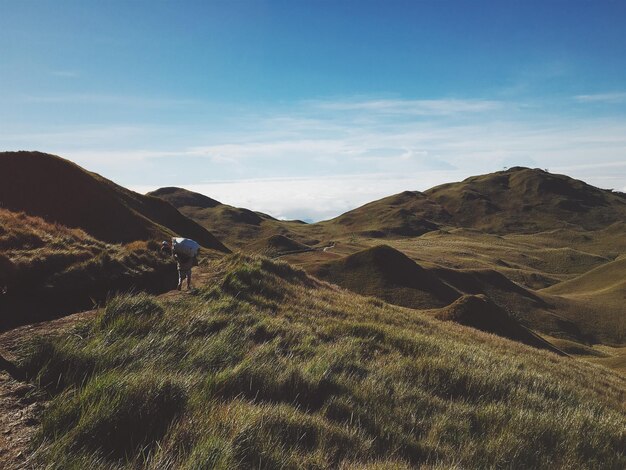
(269, 368)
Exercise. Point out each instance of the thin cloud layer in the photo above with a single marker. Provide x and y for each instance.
(315, 159)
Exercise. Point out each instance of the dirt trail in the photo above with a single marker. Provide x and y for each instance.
(21, 403)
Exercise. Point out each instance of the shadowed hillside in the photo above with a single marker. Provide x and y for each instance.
(48, 270)
(62, 192)
(481, 313)
(388, 274)
(237, 377)
(277, 245)
(236, 226)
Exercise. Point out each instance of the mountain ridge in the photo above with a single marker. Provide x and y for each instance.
(62, 192)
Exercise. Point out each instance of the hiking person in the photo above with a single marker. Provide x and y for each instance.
(185, 252)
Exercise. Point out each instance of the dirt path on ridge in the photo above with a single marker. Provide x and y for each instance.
(21, 403)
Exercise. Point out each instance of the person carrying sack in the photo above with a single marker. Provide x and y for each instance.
(185, 252)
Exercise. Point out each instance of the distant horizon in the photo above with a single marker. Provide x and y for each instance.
(304, 110)
(229, 189)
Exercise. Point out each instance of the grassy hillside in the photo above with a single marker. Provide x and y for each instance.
(597, 299)
(236, 226)
(528, 200)
(478, 311)
(49, 269)
(62, 192)
(409, 213)
(519, 200)
(277, 245)
(388, 274)
(269, 368)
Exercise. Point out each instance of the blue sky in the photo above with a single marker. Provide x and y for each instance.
(306, 109)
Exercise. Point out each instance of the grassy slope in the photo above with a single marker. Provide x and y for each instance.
(61, 191)
(534, 261)
(236, 226)
(528, 200)
(269, 368)
(409, 213)
(43, 264)
(277, 245)
(597, 298)
(390, 275)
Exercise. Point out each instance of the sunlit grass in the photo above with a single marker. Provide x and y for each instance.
(269, 368)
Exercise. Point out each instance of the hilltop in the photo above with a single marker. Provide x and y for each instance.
(60, 191)
(528, 200)
(518, 200)
(236, 226)
(235, 376)
(386, 273)
(409, 213)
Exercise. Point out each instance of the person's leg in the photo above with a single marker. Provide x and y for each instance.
(189, 279)
(180, 279)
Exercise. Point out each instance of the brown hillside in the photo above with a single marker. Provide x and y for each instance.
(277, 245)
(410, 213)
(236, 226)
(528, 200)
(60, 191)
(388, 274)
(481, 313)
(179, 197)
(518, 200)
(49, 270)
(596, 300)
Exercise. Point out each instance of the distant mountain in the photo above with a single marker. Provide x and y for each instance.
(512, 201)
(409, 213)
(236, 226)
(62, 192)
(528, 200)
(518, 200)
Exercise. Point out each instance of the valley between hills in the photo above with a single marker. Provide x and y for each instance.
(477, 324)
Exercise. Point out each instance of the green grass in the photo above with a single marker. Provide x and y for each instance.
(269, 368)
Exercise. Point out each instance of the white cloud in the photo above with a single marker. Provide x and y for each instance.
(104, 99)
(328, 148)
(440, 107)
(616, 97)
(313, 198)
